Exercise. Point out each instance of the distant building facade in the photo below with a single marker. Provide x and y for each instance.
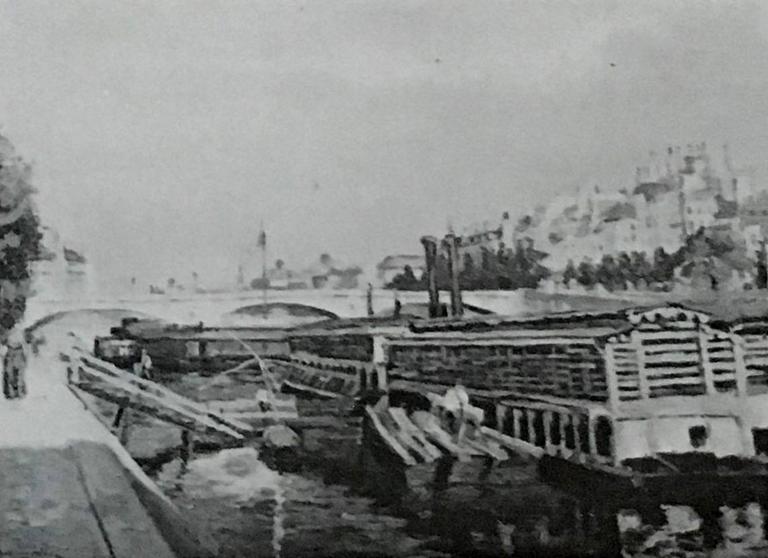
(60, 272)
(674, 195)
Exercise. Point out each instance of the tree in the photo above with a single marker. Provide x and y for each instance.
(570, 274)
(710, 257)
(587, 274)
(19, 236)
(663, 266)
(406, 281)
(608, 274)
(642, 269)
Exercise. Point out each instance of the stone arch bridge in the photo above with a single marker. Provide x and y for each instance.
(214, 308)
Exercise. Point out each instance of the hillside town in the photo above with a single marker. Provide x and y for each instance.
(690, 219)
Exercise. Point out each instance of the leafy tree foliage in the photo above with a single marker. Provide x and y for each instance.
(19, 236)
(504, 269)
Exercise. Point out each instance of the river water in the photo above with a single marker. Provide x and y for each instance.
(332, 507)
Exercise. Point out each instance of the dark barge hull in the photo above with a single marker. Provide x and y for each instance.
(674, 487)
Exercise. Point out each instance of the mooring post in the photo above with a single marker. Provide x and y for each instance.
(451, 245)
(369, 300)
(187, 444)
(430, 257)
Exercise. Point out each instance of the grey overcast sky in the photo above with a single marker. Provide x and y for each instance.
(163, 132)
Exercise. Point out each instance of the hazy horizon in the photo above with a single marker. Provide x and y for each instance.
(163, 133)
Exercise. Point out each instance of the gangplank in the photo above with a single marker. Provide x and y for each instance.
(106, 381)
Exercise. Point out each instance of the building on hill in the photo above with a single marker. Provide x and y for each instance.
(60, 271)
(676, 193)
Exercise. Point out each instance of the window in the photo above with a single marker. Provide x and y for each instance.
(570, 433)
(538, 429)
(698, 435)
(524, 434)
(583, 430)
(554, 429)
(760, 437)
(603, 435)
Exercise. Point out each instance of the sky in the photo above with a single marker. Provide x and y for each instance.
(164, 133)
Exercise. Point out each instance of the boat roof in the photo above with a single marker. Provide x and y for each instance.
(527, 337)
(617, 320)
(158, 331)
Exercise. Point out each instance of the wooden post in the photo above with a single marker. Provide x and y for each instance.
(564, 418)
(739, 365)
(547, 429)
(742, 386)
(430, 256)
(501, 415)
(645, 391)
(369, 300)
(576, 420)
(706, 364)
(118, 416)
(187, 445)
(611, 379)
(452, 248)
(517, 416)
(531, 416)
(592, 438)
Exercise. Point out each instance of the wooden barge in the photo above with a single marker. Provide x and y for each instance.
(338, 358)
(344, 358)
(662, 398)
(188, 348)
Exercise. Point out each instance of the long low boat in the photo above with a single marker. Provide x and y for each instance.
(661, 398)
(185, 348)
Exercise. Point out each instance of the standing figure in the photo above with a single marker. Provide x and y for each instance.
(14, 366)
(143, 368)
(146, 364)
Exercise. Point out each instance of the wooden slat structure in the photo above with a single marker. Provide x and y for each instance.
(108, 382)
(420, 438)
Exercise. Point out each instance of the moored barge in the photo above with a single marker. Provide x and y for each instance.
(662, 398)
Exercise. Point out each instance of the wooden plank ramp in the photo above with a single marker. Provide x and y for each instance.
(106, 381)
(404, 422)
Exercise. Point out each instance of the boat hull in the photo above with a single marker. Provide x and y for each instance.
(681, 487)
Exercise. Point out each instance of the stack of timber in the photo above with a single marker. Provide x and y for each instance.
(432, 449)
(104, 380)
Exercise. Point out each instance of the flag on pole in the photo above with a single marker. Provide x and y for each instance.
(262, 242)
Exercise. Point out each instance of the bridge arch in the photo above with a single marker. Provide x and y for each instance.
(88, 322)
(279, 312)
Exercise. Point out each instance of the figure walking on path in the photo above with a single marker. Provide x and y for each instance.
(14, 366)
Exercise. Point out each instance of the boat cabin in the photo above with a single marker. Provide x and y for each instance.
(615, 388)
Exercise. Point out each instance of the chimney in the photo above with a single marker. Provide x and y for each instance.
(451, 244)
(430, 258)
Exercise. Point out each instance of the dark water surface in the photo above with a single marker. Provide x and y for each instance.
(332, 507)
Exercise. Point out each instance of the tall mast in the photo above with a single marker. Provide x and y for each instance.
(263, 245)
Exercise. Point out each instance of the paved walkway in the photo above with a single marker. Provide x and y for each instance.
(67, 487)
